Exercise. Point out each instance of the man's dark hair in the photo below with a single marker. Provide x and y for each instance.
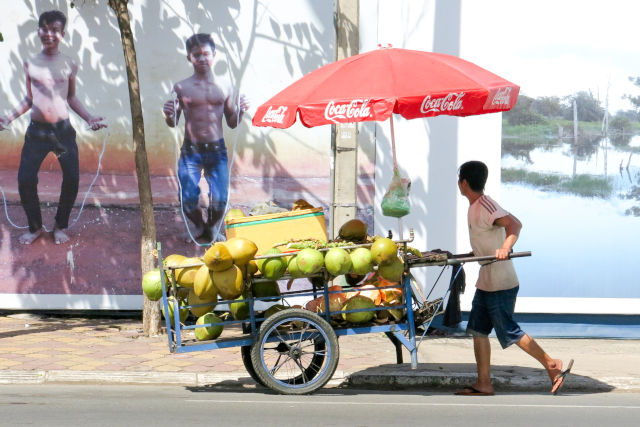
(51, 16)
(200, 39)
(476, 173)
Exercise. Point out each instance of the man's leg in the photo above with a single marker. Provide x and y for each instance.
(482, 351)
(216, 172)
(502, 308)
(31, 158)
(480, 326)
(189, 166)
(69, 189)
(553, 366)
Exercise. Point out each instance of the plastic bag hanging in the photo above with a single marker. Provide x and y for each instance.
(395, 202)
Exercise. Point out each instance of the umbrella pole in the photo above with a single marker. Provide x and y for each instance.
(395, 168)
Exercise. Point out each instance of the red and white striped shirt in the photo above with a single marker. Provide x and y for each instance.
(485, 239)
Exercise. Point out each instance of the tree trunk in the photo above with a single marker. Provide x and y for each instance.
(151, 309)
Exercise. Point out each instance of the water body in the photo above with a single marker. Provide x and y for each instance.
(582, 246)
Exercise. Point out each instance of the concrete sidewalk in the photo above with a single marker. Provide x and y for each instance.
(54, 349)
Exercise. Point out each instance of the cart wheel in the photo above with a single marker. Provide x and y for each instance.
(296, 352)
(245, 351)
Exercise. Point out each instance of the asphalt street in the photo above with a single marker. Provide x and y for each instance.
(177, 405)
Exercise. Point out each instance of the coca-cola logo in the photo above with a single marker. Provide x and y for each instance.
(355, 109)
(451, 102)
(274, 115)
(502, 97)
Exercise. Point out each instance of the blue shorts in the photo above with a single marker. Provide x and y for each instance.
(494, 310)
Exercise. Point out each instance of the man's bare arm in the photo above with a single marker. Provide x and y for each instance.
(233, 111)
(22, 107)
(76, 105)
(512, 227)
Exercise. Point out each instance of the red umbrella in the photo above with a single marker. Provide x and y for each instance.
(372, 85)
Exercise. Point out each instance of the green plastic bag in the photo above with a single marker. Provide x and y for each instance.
(395, 202)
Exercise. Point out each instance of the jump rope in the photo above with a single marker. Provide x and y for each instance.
(86, 194)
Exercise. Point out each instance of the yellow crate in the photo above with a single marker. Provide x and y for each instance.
(267, 230)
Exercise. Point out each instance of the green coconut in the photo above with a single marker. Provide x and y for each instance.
(184, 312)
(272, 268)
(152, 284)
(294, 270)
(337, 261)
(309, 261)
(358, 302)
(239, 309)
(276, 308)
(266, 290)
(361, 261)
(384, 250)
(208, 332)
(392, 271)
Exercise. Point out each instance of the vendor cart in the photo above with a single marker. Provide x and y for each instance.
(296, 351)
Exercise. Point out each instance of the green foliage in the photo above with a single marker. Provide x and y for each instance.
(522, 113)
(589, 108)
(1, 37)
(635, 100)
(581, 185)
(548, 106)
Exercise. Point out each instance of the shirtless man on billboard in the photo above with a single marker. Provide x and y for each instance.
(51, 87)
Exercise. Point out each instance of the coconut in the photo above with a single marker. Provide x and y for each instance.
(336, 300)
(337, 261)
(272, 268)
(393, 270)
(218, 257)
(203, 283)
(152, 284)
(228, 282)
(185, 276)
(239, 308)
(208, 332)
(353, 231)
(361, 261)
(184, 312)
(276, 308)
(309, 261)
(270, 291)
(242, 250)
(172, 260)
(384, 250)
(370, 292)
(194, 299)
(292, 267)
(358, 302)
(313, 304)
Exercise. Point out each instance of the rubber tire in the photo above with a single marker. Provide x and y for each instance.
(321, 377)
(245, 352)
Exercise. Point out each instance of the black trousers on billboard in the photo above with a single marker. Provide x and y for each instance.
(39, 140)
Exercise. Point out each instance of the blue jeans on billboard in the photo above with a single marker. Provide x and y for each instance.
(210, 158)
(40, 139)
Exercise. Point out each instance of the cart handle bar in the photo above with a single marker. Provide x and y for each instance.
(462, 260)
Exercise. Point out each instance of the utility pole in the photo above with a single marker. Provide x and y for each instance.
(344, 153)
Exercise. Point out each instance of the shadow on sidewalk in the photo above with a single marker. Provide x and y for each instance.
(452, 376)
(36, 324)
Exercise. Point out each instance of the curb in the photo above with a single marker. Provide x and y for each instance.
(430, 379)
(376, 379)
(187, 379)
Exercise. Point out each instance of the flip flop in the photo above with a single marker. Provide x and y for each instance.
(558, 382)
(472, 391)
